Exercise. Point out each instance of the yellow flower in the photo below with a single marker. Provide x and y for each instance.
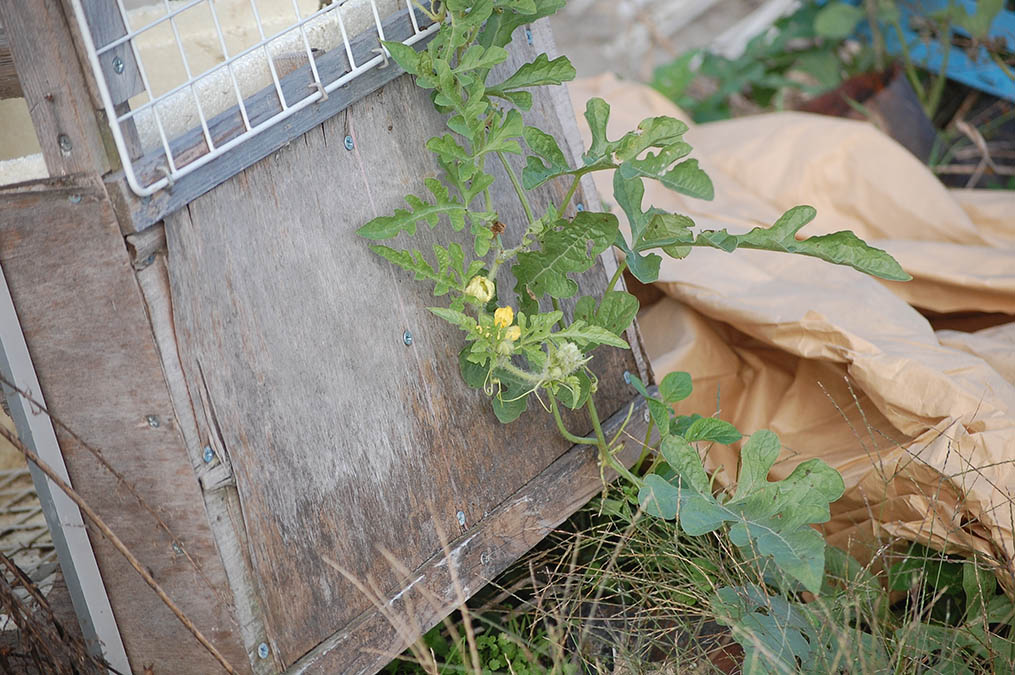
(503, 317)
(480, 288)
(513, 333)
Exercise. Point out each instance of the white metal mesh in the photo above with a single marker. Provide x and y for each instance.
(185, 81)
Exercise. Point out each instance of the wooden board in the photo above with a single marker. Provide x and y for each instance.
(85, 324)
(54, 86)
(136, 213)
(9, 85)
(341, 439)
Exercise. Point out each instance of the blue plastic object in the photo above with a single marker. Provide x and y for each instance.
(979, 72)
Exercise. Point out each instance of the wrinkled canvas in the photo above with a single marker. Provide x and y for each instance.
(920, 422)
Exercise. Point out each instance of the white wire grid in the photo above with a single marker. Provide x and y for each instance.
(281, 36)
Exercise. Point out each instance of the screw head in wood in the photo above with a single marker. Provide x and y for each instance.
(177, 549)
(579, 207)
(627, 377)
(407, 338)
(117, 65)
(74, 199)
(63, 140)
(528, 35)
(153, 421)
(262, 650)
(208, 455)
(349, 145)
(461, 518)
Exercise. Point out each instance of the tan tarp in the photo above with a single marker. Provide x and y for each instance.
(840, 365)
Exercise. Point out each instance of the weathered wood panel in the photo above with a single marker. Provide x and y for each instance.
(342, 439)
(136, 213)
(83, 319)
(431, 592)
(9, 85)
(54, 86)
(118, 64)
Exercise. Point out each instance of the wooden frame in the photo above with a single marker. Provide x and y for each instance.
(197, 352)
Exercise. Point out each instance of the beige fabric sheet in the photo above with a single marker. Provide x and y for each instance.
(921, 423)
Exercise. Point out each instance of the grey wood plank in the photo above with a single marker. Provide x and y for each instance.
(119, 67)
(429, 593)
(54, 87)
(139, 213)
(10, 87)
(89, 337)
(341, 438)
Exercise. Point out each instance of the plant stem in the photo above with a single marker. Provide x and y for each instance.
(518, 187)
(645, 449)
(605, 453)
(570, 194)
(907, 62)
(556, 308)
(934, 99)
(578, 440)
(616, 276)
(518, 372)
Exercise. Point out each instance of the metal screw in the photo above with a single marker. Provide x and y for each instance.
(407, 338)
(177, 549)
(484, 557)
(117, 65)
(208, 455)
(262, 650)
(74, 199)
(349, 145)
(461, 518)
(627, 377)
(153, 421)
(63, 140)
(646, 415)
(580, 207)
(528, 35)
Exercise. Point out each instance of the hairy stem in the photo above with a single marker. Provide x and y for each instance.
(577, 440)
(570, 194)
(605, 452)
(518, 187)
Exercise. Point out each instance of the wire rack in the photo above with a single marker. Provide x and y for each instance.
(186, 81)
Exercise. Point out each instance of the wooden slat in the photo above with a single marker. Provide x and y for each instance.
(341, 438)
(429, 593)
(136, 214)
(85, 324)
(10, 87)
(54, 87)
(106, 25)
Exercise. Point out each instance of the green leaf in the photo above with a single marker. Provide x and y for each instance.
(566, 248)
(498, 28)
(685, 460)
(841, 248)
(712, 429)
(520, 98)
(757, 458)
(629, 193)
(386, 227)
(413, 261)
(478, 56)
(597, 114)
(538, 73)
(474, 374)
(404, 55)
(658, 498)
(637, 384)
(685, 178)
(664, 230)
(615, 313)
(978, 23)
(512, 399)
(837, 20)
(502, 136)
(536, 172)
(460, 319)
(979, 586)
(584, 334)
(675, 387)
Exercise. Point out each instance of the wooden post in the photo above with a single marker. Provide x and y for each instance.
(54, 87)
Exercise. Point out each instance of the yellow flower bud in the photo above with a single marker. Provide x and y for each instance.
(513, 333)
(503, 317)
(480, 288)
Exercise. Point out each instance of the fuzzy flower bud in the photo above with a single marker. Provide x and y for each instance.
(480, 288)
(513, 333)
(504, 317)
(567, 359)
